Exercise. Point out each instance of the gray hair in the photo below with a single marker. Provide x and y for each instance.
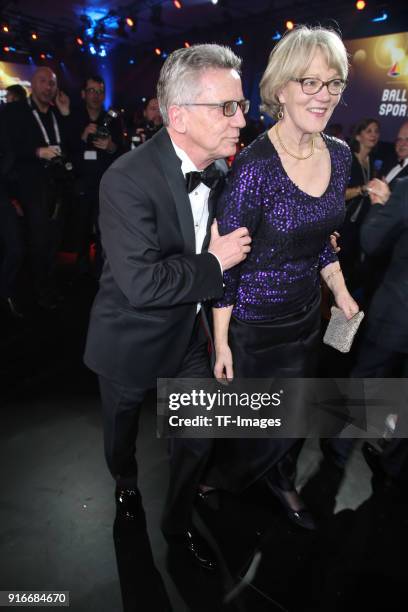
(180, 73)
(291, 58)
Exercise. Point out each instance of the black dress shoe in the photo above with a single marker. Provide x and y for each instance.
(196, 546)
(302, 517)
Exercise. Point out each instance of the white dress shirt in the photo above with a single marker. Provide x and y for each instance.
(198, 199)
(199, 204)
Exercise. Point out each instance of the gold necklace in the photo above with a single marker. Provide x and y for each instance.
(292, 154)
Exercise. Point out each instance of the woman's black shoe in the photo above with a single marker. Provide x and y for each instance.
(301, 517)
(195, 545)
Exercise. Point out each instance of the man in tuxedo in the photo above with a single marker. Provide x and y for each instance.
(148, 319)
(384, 349)
(400, 169)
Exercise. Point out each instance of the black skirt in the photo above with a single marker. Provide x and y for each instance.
(286, 347)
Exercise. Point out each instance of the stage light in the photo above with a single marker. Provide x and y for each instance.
(177, 4)
(164, 54)
(131, 22)
(6, 49)
(5, 28)
(239, 41)
(277, 36)
(79, 41)
(157, 51)
(49, 55)
(360, 5)
(92, 50)
(214, 2)
(131, 61)
(382, 17)
(34, 35)
(102, 51)
(42, 55)
(289, 25)
(186, 44)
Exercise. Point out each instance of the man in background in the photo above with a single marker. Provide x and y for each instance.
(99, 141)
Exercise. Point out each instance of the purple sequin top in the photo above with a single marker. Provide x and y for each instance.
(290, 231)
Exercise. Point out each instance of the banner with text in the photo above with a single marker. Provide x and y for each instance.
(378, 83)
(281, 407)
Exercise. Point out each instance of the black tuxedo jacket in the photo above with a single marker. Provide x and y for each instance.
(143, 315)
(385, 227)
(403, 173)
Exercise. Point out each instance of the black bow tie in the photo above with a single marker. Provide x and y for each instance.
(401, 162)
(211, 176)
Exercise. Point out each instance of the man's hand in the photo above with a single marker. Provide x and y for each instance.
(378, 191)
(230, 249)
(62, 102)
(90, 129)
(105, 144)
(48, 152)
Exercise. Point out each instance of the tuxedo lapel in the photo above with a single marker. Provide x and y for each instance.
(403, 172)
(171, 166)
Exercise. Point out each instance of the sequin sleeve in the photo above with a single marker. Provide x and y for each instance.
(239, 206)
(327, 256)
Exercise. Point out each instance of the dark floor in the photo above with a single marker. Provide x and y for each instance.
(57, 508)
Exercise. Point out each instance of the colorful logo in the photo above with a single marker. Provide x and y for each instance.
(394, 71)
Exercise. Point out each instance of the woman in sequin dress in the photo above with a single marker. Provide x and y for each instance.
(288, 188)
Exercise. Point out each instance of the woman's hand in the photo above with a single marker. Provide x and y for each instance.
(346, 303)
(223, 369)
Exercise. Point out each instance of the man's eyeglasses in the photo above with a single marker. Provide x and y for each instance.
(313, 86)
(93, 91)
(229, 108)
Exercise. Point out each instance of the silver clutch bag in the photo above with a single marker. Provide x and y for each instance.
(340, 332)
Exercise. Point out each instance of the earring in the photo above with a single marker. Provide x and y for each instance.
(280, 113)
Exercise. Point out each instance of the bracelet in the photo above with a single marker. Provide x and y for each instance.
(328, 277)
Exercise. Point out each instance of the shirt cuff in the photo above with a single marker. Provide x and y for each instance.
(222, 271)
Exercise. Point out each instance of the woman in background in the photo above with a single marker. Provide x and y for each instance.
(364, 140)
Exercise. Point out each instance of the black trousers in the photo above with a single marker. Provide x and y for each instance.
(44, 203)
(87, 215)
(375, 361)
(11, 247)
(188, 457)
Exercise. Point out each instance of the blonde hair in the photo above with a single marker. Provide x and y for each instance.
(291, 58)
